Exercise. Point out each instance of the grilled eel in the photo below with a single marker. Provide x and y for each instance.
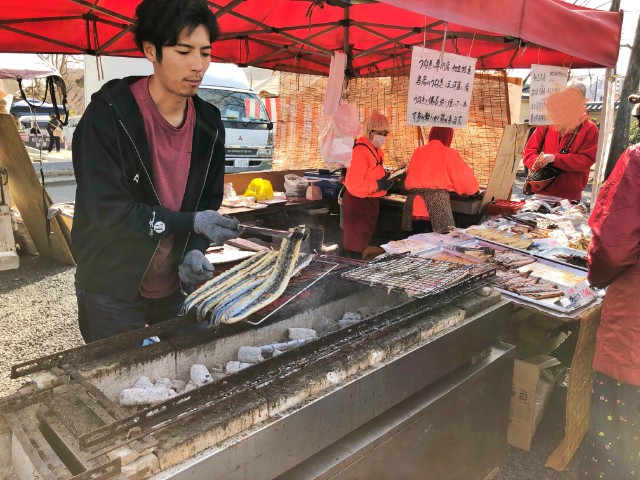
(237, 285)
(207, 288)
(265, 292)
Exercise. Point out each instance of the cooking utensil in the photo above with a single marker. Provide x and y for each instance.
(270, 232)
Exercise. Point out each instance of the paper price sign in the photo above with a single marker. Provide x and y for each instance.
(545, 80)
(580, 294)
(567, 227)
(440, 87)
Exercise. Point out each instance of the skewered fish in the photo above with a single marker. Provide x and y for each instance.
(250, 285)
(268, 290)
(198, 295)
(239, 284)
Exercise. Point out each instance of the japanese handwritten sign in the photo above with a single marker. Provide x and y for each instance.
(440, 87)
(545, 80)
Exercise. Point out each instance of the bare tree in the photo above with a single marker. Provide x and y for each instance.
(71, 68)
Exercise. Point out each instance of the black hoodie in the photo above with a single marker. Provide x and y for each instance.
(118, 220)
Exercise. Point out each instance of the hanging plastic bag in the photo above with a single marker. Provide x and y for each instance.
(294, 185)
(347, 120)
(336, 134)
(259, 188)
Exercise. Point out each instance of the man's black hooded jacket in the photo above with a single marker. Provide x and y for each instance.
(118, 220)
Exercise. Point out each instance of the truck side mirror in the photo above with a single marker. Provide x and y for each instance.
(270, 125)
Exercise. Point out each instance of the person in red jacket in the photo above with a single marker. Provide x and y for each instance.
(613, 441)
(365, 182)
(435, 169)
(572, 152)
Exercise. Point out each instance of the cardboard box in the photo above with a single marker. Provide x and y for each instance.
(529, 393)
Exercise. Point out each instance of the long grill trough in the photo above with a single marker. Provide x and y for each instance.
(285, 416)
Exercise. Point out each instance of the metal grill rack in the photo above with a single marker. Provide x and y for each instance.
(417, 277)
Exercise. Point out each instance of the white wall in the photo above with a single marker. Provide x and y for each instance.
(112, 67)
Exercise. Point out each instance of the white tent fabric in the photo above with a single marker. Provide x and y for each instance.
(25, 65)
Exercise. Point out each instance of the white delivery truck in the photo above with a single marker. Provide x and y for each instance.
(249, 131)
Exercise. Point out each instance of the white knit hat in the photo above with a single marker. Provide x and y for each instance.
(376, 121)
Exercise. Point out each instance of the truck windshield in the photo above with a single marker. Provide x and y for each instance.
(237, 106)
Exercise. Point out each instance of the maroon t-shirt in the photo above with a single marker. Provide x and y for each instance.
(170, 149)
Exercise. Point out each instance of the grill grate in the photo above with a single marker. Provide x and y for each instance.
(416, 277)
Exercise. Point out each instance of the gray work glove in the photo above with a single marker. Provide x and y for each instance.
(194, 270)
(217, 228)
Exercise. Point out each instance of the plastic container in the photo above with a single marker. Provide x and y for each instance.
(330, 184)
(503, 207)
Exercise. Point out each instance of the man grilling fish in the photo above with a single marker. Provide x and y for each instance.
(148, 157)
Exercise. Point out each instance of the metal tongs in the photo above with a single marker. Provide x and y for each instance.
(270, 232)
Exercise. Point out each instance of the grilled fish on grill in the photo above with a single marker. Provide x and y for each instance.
(266, 291)
(240, 283)
(250, 285)
(207, 288)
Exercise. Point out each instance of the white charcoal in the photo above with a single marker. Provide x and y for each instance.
(200, 375)
(143, 382)
(233, 366)
(145, 396)
(347, 323)
(177, 385)
(189, 386)
(250, 354)
(302, 333)
(163, 382)
(351, 317)
(328, 325)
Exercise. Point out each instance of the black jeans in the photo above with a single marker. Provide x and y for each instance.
(53, 139)
(101, 316)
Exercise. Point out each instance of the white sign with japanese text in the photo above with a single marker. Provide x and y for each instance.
(440, 87)
(545, 80)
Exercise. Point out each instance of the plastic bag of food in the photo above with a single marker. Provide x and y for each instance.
(295, 186)
(259, 188)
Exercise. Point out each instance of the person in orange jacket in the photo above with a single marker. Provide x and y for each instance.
(365, 182)
(435, 169)
(613, 441)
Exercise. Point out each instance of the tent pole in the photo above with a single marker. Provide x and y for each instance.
(346, 47)
(606, 126)
(620, 139)
(606, 133)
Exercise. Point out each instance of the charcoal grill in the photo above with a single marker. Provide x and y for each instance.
(420, 277)
(373, 387)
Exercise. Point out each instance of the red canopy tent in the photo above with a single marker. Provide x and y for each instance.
(300, 35)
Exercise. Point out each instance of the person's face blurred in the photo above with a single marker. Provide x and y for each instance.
(183, 65)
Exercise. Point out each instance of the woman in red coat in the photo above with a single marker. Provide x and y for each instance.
(573, 152)
(613, 442)
(365, 182)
